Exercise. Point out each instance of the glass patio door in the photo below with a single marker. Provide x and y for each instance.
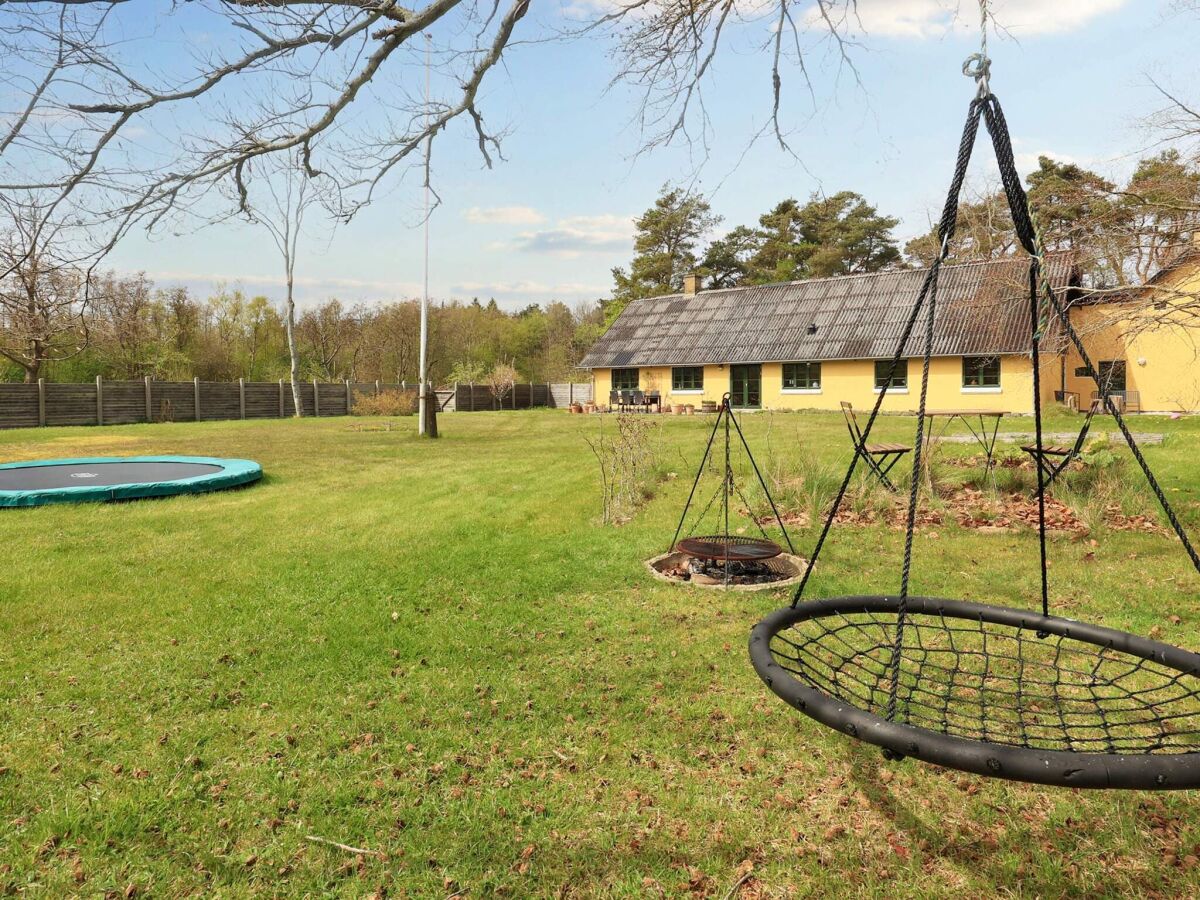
(745, 386)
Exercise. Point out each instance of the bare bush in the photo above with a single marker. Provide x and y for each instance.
(503, 381)
(628, 464)
(387, 403)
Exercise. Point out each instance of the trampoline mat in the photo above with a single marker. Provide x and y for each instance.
(98, 474)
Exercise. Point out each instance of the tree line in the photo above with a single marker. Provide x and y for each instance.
(59, 322)
(1120, 234)
(129, 329)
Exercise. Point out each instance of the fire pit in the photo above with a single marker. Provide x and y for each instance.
(778, 571)
(727, 560)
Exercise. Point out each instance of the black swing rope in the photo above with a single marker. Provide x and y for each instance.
(998, 691)
(946, 228)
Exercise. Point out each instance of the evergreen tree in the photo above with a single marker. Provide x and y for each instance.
(780, 255)
(664, 248)
(727, 260)
(845, 235)
(837, 235)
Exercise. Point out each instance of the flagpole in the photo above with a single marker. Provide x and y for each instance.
(423, 375)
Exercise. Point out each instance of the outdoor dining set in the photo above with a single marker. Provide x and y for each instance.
(626, 400)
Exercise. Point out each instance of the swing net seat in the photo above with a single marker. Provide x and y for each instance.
(1000, 692)
(729, 548)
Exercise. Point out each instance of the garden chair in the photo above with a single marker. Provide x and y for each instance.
(1118, 399)
(880, 458)
(1069, 399)
(1054, 458)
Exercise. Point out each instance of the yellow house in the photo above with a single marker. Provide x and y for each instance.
(812, 344)
(1145, 342)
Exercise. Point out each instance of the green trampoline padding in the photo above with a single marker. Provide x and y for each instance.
(102, 479)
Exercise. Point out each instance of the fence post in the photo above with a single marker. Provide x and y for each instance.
(570, 393)
(316, 400)
(149, 402)
(196, 395)
(42, 401)
(471, 402)
(242, 397)
(282, 405)
(456, 396)
(99, 400)
(377, 392)
(348, 397)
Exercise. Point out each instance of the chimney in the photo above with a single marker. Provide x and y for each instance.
(691, 284)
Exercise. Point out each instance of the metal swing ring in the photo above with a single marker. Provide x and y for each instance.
(979, 67)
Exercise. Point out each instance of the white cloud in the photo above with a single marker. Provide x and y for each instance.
(503, 215)
(1028, 162)
(574, 235)
(935, 18)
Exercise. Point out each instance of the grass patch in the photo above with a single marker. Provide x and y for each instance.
(434, 651)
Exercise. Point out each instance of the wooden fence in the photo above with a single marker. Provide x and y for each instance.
(123, 402)
(481, 397)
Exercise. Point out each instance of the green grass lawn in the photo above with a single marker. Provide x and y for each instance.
(436, 652)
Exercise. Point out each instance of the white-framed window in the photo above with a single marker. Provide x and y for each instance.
(625, 379)
(899, 383)
(687, 380)
(802, 378)
(981, 374)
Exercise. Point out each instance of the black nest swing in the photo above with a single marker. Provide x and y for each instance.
(1000, 692)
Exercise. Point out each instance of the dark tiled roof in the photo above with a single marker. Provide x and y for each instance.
(983, 309)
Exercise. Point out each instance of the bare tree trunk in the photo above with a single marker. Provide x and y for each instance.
(293, 352)
(431, 430)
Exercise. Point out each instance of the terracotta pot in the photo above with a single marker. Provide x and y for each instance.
(690, 409)
(589, 407)
(678, 409)
(576, 408)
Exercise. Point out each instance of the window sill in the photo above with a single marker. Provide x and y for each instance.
(693, 393)
(893, 390)
(983, 390)
(800, 391)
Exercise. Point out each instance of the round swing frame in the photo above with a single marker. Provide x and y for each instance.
(890, 674)
(1062, 768)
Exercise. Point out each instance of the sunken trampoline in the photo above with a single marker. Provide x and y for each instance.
(102, 479)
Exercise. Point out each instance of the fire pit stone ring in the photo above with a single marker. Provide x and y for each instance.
(787, 568)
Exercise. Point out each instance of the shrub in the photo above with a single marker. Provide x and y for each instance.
(388, 403)
(629, 465)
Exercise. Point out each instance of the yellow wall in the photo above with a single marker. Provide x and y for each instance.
(853, 381)
(1162, 363)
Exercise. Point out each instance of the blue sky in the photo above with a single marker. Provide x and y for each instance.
(551, 221)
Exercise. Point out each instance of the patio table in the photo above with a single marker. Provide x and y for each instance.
(976, 421)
